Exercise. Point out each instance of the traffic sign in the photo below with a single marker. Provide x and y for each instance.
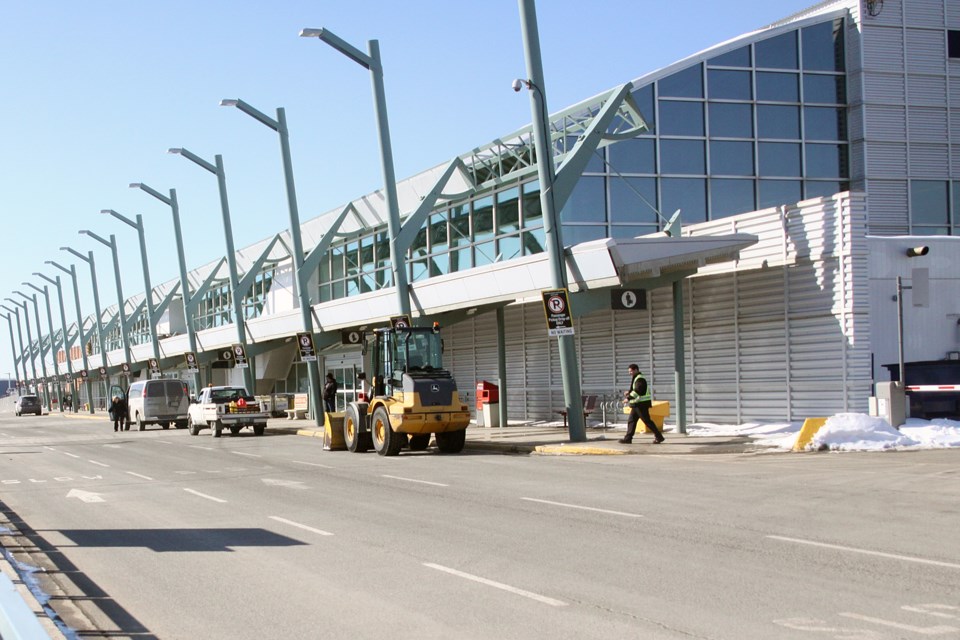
(240, 356)
(556, 306)
(400, 322)
(154, 366)
(628, 299)
(307, 351)
(191, 361)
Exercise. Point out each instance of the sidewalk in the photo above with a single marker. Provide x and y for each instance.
(553, 439)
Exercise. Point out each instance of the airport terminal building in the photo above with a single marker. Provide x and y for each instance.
(805, 158)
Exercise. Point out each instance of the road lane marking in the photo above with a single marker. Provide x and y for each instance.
(577, 506)
(69, 454)
(203, 495)
(139, 475)
(435, 484)
(99, 464)
(197, 446)
(300, 526)
(250, 455)
(497, 585)
(85, 496)
(313, 464)
(892, 556)
(924, 631)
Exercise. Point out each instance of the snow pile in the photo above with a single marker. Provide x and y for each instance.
(858, 432)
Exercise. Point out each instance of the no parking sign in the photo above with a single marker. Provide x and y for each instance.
(556, 306)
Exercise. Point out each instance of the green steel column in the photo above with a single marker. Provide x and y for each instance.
(13, 349)
(63, 336)
(56, 367)
(569, 366)
(96, 307)
(112, 244)
(83, 348)
(43, 363)
(23, 362)
(26, 321)
(502, 366)
(679, 358)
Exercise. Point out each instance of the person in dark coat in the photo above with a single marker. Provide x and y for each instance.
(639, 399)
(330, 394)
(118, 412)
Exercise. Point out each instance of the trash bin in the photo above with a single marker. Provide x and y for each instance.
(488, 404)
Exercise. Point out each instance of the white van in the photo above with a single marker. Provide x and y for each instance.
(162, 402)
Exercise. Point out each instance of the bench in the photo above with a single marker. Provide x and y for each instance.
(301, 404)
(589, 406)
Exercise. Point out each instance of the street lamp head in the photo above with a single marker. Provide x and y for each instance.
(229, 102)
(135, 185)
(175, 151)
(107, 211)
(311, 33)
(83, 232)
(64, 248)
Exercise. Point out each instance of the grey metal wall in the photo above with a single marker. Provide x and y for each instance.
(782, 333)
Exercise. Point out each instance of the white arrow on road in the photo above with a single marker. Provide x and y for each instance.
(86, 496)
(290, 484)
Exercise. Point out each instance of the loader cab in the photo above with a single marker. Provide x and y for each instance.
(411, 350)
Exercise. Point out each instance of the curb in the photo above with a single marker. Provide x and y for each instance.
(578, 450)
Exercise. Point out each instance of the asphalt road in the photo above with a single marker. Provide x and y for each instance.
(160, 534)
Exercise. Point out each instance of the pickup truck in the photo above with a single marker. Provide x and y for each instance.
(230, 407)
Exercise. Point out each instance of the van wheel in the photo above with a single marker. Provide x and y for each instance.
(140, 425)
(192, 428)
(216, 429)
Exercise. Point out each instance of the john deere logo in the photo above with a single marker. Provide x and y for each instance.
(435, 388)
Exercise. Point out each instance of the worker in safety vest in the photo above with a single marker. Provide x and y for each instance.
(639, 399)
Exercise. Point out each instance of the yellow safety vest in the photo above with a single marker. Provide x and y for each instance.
(635, 398)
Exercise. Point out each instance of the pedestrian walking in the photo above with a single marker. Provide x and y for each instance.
(118, 412)
(639, 398)
(330, 393)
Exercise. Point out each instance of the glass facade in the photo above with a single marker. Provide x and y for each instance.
(935, 207)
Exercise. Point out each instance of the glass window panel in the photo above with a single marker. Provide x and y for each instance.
(731, 158)
(461, 259)
(731, 120)
(824, 123)
(777, 53)
(956, 204)
(337, 288)
(532, 211)
(683, 84)
(931, 231)
(826, 160)
(682, 156)
(633, 156)
(953, 43)
(595, 164)
(459, 226)
(633, 199)
(419, 244)
(509, 247)
(483, 218)
(779, 159)
(823, 46)
(485, 253)
(774, 121)
(534, 241)
(508, 210)
(577, 233)
(681, 118)
(632, 230)
(821, 88)
(366, 253)
(439, 264)
(644, 99)
(336, 262)
(729, 85)
(419, 270)
(353, 287)
(383, 278)
(736, 58)
(687, 194)
(778, 87)
(928, 202)
(588, 202)
(382, 247)
(777, 192)
(730, 197)
(367, 282)
(823, 188)
(438, 232)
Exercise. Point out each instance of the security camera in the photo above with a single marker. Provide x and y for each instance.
(517, 84)
(914, 252)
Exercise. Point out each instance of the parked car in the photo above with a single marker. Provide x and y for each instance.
(28, 404)
(162, 402)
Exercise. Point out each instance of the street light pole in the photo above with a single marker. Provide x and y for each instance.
(96, 307)
(249, 379)
(148, 289)
(569, 367)
(43, 366)
(112, 243)
(373, 63)
(65, 342)
(83, 347)
(171, 202)
(280, 126)
(13, 348)
(56, 367)
(23, 361)
(26, 322)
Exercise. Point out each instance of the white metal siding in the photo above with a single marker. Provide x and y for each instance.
(884, 88)
(882, 49)
(927, 90)
(888, 207)
(887, 159)
(924, 13)
(927, 124)
(926, 49)
(929, 160)
(886, 123)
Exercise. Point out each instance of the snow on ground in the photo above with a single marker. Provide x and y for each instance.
(844, 432)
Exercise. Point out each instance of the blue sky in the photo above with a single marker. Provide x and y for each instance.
(94, 93)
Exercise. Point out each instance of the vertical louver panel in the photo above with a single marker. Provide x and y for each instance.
(929, 160)
(925, 51)
(885, 123)
(927, 124)
(924, 13)
(886, 159)
(928, 91)
(888, 207)
(884, 88)
(882, 49)
(597, 352)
